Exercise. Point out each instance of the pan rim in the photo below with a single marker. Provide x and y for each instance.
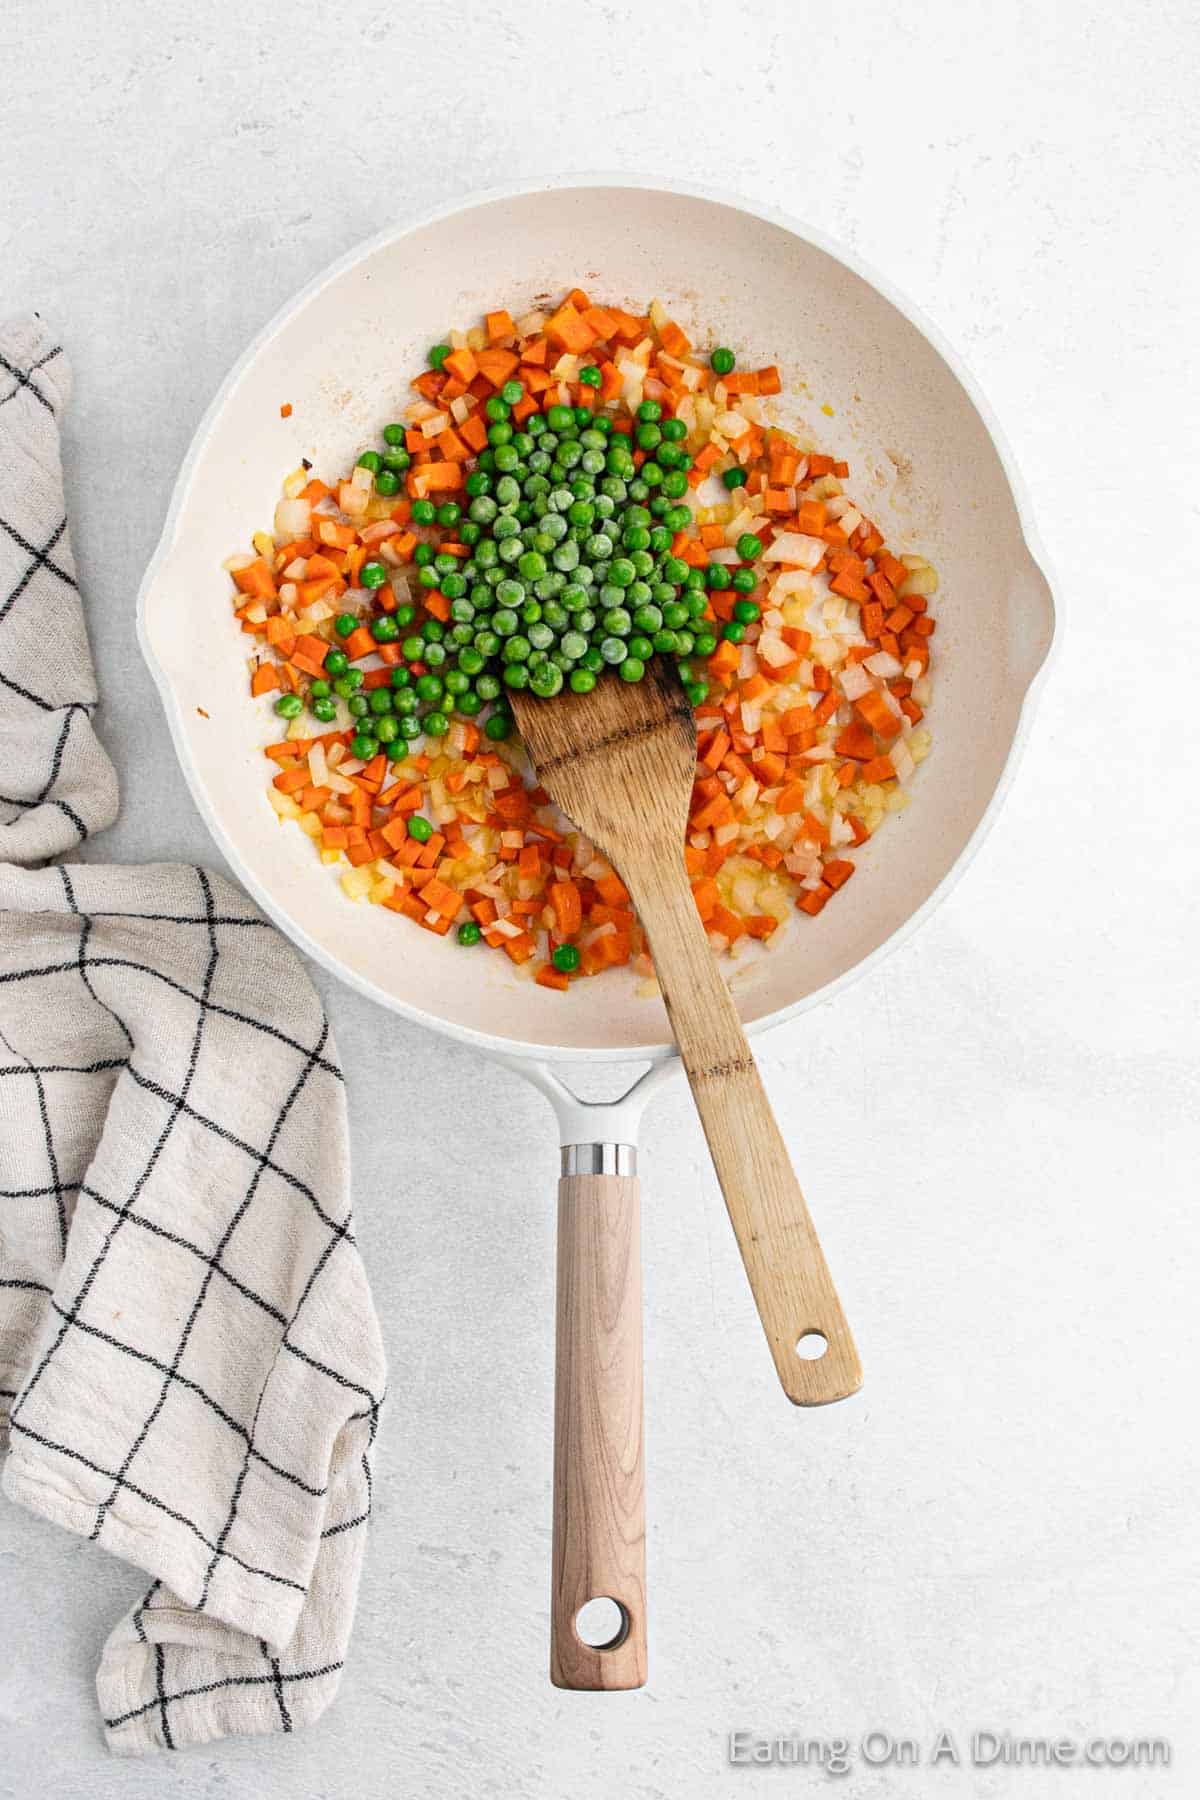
(489, 1042)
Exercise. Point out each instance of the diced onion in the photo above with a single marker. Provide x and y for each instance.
(795, 547)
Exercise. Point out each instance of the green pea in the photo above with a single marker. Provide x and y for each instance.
(674, 430)
(385, 630)
(512, 393)
(734, 478)
(324, 708)
(380, 700)
(546, 680)
(364, 746)
(387, 483)
(589, 376)
(394, 434)
(565, 959)
(419, 829)
(449, 513)
(722, 360)
(289, 706)
(370, 459)
(649, 412)
(581, 681)
(429, 687)
(746, 612)
(749, 547)
(744, 581)
(469, 932)
(436, 724)
(387, 730)
(734, 633)
(358, 706)
(424, 512)
(438, 355)
(632, 669)
(396, 460)
(498, 727)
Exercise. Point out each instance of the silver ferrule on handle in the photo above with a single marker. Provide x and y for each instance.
(599, 1159)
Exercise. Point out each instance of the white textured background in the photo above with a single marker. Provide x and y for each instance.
(997, 1131)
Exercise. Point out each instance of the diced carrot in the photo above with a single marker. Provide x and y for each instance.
(838, 873)
(880, 768)
(796, 718)
(714, 751)
(568, 330)
(461, 363)
(874, 711)
(550, 977)
(716, 811)
(497, 366)
(855, 741)
(791, 798)
(760, 925)
(673, 340)
(330, 532)
(473, 432)
(499, 325)
(814, 900)
(706, 894)
(568, 907)
(360, 643)
(452, 446)
(264, 679)
(612, 890)
(256, 579)
(849, 586)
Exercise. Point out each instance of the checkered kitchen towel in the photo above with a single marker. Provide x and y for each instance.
(188, 1349)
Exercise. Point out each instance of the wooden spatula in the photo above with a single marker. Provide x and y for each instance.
(620, 762)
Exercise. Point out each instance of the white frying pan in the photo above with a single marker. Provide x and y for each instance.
(926, 463)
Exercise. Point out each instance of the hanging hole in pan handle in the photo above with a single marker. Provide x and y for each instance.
(602, 1623)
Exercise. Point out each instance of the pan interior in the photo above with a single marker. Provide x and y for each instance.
(922, 464)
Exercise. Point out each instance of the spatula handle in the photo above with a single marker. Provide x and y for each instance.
(599, 1479)
(792, 1287)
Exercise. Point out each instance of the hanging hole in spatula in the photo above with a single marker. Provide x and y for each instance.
(812, 1345)
(602, 1623)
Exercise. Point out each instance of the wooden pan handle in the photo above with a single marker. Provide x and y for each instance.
(792, 1286)
(599, 1480)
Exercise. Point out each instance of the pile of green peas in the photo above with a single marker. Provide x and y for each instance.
(569, 573)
